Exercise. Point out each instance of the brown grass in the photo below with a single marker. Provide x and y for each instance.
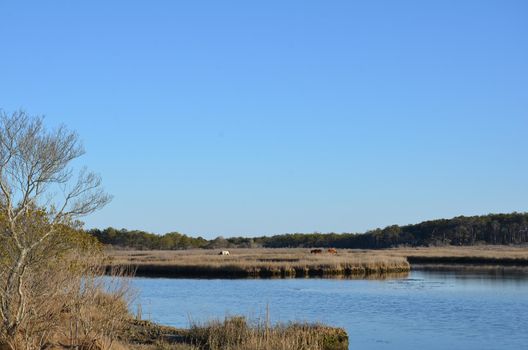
(298, 262)
(236, 333)
(256, 263)
(458, 258)
(488, 258)
(70, 306)
(497, 252)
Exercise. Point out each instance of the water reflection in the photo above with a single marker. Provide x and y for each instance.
(469, 270)
(370, 276)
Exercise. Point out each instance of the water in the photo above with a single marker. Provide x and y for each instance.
(424, 310)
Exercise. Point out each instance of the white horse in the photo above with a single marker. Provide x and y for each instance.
(224, 252)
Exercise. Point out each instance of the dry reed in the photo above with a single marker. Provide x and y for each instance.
(236, 333)
(256, 263)
(71, 305)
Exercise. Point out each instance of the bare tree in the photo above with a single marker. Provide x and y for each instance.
(39, 197)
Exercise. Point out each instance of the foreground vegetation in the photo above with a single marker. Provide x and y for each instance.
(495, 229)
(235, 333)
(50, 285)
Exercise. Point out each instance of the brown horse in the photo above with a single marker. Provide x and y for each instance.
(316, 251)
(332, 250)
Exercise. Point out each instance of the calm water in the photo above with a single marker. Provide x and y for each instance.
(425, 310)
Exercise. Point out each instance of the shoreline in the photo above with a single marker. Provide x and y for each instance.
(466, 260)
(234, 272)
(151, 272)
(155, 271)
(491, 270)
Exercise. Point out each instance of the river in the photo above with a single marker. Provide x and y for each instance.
(424, 310)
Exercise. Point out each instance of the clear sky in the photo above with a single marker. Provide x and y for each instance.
(246, 118)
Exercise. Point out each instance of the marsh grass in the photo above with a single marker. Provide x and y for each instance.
(237, 333)
(298, 262)
(483, 257)
(256, 263)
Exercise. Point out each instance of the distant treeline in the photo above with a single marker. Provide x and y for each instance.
(144, 240)
(487, 229)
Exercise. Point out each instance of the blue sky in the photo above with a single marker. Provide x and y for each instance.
(246, 118)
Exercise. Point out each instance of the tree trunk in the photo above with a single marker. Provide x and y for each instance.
(14, 302)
